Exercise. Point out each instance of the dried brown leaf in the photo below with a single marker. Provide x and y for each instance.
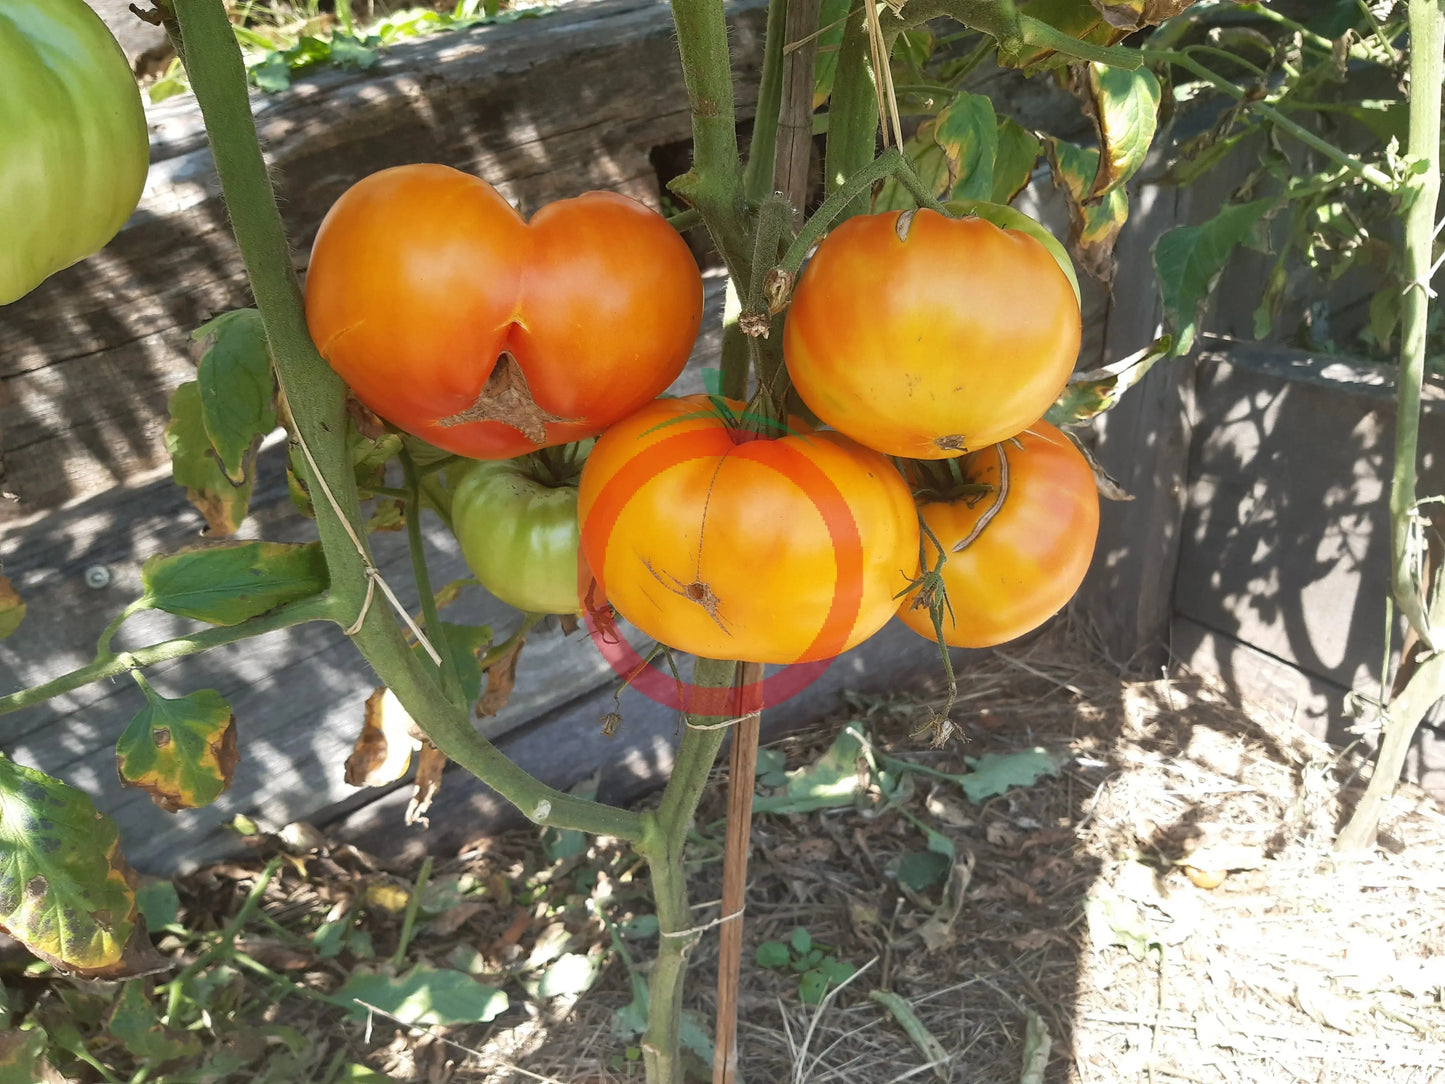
(383, 750)
(501, 678)
(430, 763)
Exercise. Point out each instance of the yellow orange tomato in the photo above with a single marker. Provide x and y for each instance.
(460, 322)
(926, 336)
(1026, 542)
(731, 546)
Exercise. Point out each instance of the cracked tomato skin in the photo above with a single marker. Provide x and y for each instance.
(731, 546)
(1029, 559)
(461, 323)
(930, 337)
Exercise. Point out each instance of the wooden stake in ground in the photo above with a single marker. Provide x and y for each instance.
(741, 772)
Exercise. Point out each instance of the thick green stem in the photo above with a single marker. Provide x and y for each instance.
(1401, 720)
(762, 149)
(431, 620)
(110, 664)
(662, 846)
(891, 163)
(714, 185)
(1425, 685)
(852, 116)
(1427, 30)
(317, 400)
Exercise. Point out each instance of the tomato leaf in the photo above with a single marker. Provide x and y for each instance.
(1078, 18)
(1125, 105)
(423, 996)
(1190, 259)
(1094, 223)
(12, 608)
(195, 466)
(22, 1057)
(225, 585)
(995, 773)
(133, 1021)
(1013, 164)
(466, 644)
(383, 749)
(1092, 392)
(183, 751)
(931, 163)
(1137, 14)
(238, 388)
(65, 890)
(967, 130)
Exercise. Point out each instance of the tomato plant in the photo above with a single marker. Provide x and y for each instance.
(926, 336)
(729, 545)
(73, 144)
(516, 521)
(460, 322)
(1018, 532)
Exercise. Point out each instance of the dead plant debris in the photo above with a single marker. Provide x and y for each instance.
(1163, 907)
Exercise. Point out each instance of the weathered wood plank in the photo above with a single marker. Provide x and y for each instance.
(1313, 703)
(547, 108)
(1284, 564)
(1286, 537)
(1143, 443)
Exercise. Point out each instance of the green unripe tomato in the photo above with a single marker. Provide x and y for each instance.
(73, 144)
(518, 534)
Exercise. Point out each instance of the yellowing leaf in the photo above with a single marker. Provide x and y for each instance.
(1094, 223)
(383, 750)
(1125, 105)
(64, 888)
(183, 752)
(194, 465)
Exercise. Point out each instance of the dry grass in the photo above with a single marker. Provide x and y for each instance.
(1071, 899)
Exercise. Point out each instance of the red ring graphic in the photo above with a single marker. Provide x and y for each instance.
(661, 687)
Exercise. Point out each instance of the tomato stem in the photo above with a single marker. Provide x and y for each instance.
(663, 845)
(891, 163)
(317, 399)
(762, 147)
(431, 620)
(852, 116)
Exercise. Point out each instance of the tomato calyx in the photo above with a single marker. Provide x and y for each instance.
(556, 466)
(507, 398)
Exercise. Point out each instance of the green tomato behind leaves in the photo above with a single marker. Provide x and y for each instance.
(518, 534)
(73, 144)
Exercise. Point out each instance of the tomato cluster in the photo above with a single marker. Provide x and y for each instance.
(939, 340)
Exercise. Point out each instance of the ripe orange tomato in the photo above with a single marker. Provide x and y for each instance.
(926, 337)
(461, 323)
(731, 546)
(1030, 539)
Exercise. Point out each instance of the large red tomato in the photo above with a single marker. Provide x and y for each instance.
(458, 321)
(730, 546)
(926, 337)
(1026, 542)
